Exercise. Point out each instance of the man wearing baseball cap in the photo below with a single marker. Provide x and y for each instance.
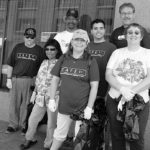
(23, 65)
(71, 21)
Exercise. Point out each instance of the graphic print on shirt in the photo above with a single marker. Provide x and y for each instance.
(65, 43)
(73, 72)
(130, 70)
(100, 53)
(26, 56)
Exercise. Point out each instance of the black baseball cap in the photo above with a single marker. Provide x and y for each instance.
(30, 32)
(72, 12)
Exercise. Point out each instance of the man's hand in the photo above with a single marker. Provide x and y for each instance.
(88, 112)
(9, 83)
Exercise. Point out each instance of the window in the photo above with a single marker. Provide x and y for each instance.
(26, 14)
(3, 8)
(105, 10)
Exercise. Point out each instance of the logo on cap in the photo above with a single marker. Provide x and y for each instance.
(82, 34)
(30, 32)
(72, 12)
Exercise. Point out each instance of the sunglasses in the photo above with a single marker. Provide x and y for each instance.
(31, 37)
(130, 32)
(50, 49)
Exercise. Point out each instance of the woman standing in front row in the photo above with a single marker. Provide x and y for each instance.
(39, 97)
(128, 73)
(79, 77)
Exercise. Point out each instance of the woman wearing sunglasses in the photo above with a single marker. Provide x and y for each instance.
(39, 97)
(128, 73)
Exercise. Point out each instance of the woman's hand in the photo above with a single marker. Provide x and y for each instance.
(32, 99)
(52, 105)
(121, 103)
(127, 93)
(88, 113)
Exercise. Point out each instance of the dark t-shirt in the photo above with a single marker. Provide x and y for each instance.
(101, 52)
(26, 61)
(118, 38)
(75, 75)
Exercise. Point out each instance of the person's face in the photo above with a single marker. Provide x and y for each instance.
(29, 41)
(51, 52)
(79, 44)
(133, 35)
(71, 22)
(127, 16)
(98, 31)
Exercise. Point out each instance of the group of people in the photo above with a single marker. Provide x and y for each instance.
(71, 73)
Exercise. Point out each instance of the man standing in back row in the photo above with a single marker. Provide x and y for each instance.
(101, 50)
(64, 37)
(23, 65)
(127, 14)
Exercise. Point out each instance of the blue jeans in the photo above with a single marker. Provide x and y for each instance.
(116, 127)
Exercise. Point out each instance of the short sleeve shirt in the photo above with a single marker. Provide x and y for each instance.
(101, 52)
(75, 75)
(129, 68)
(26, 61)
(64, 39)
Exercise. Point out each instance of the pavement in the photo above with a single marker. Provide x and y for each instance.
(12, 141)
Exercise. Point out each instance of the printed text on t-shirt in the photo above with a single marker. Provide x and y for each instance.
(26, 56)
(99, 53)
(73, 71)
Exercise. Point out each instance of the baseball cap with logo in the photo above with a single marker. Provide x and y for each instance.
(30, 32)
(72, 12)
(81, 34)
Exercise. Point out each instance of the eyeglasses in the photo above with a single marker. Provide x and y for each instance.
(29, 37)
(50, 49)
(126, 13)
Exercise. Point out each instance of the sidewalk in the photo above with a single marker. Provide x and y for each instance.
(12, 141)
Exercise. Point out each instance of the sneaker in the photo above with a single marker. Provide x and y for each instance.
(10, 130)
(23, 131)
(27, 144)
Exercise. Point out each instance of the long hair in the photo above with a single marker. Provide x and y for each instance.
(53, 42)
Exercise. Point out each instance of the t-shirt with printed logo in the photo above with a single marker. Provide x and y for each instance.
(101, 52)
(76, 75)
(26, 61)
(129, 68)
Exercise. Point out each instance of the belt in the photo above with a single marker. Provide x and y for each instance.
(23, 77)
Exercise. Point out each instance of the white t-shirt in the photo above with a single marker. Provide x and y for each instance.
(129, 68)
(64, 39)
